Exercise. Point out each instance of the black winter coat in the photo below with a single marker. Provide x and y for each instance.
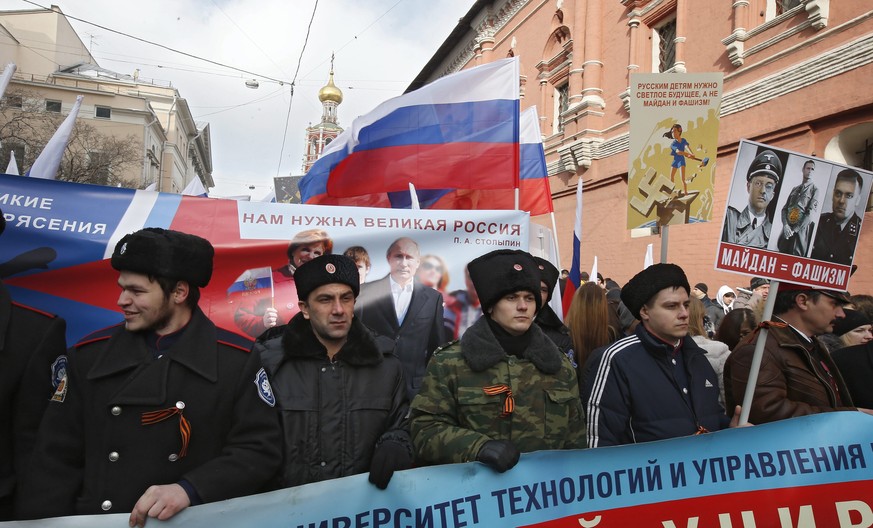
(333, 413)
(32, 358)
(95, 455)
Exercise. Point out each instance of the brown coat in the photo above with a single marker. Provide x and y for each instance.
(790, 383)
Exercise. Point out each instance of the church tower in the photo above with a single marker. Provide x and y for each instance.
(320, 135)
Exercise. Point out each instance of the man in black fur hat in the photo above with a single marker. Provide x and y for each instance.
(341, 395)
(504, 388)
(161, 411)
(657, 383)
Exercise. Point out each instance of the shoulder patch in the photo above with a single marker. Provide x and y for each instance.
(445, 346)
(59, 379)
(265, 391)
(234, 340)
(35, 310)
(99, 335)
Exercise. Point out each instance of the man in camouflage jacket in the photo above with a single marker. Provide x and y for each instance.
(504, 388)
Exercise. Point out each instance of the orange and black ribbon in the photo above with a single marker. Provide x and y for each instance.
(508, 403)
(153, 417)
(772, 324)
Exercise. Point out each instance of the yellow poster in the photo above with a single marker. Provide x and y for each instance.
(673, 146)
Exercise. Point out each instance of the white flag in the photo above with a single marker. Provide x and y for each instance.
(12, 168)
(8, 72)
(46, 165)
(648, 260)
(195, 188)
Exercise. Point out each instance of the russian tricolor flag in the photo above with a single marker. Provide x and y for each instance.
(252, 280)
(459, 132)
(575, 271)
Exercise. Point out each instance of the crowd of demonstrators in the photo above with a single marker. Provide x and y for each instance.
(656, 383)
(549, 322)
(483, 396)
(159, 412)
(588, 319)
(325, 367)
(797, 375)
(165, 410)
(256, 313)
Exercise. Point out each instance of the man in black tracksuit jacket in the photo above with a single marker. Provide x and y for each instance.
(657, 383)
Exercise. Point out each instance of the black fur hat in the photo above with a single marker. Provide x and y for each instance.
(647, 283)
(326, 269)
(548, 274)
(164, 253)
(504, 271)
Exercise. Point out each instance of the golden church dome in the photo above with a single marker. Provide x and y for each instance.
(330, 92)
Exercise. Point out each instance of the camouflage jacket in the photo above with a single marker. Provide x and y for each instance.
(465, 399)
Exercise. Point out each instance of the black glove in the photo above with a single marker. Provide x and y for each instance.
(499, 454)
(388, 458)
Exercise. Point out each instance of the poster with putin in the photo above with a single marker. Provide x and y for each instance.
(673, 142)
(792, 217)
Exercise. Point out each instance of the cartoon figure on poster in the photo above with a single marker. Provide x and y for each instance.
(680, 149)
(749, 218)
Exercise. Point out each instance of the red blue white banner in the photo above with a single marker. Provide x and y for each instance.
(54, 254)
(813, 471)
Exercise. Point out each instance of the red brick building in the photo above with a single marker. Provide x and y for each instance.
(796, 75)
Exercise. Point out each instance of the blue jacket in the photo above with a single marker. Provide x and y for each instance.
(631, 394)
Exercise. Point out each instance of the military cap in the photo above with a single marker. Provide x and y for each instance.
(326, 269)
(502, 272)
(548, 274)
(165, 253)
(838, 296)
(647, 283)
(766, 164)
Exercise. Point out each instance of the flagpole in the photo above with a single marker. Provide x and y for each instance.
(665, 236)
(755, 367)
(555, 238)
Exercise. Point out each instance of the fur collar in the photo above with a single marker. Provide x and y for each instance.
(299, 342)
(482, 351)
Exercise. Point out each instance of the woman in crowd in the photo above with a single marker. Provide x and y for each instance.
(588, 321)
(853, 329)
(716, 351)
(736, 325)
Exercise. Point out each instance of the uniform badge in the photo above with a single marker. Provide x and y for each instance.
(265, 391)
(330, 268)
(59, 379)
(517, 267)
(123, 249)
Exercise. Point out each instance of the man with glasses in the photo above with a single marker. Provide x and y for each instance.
(838, 230)
(751, 227)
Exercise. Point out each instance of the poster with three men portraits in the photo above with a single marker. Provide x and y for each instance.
(792, 217)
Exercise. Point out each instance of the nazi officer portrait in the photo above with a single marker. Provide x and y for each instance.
(757, 181)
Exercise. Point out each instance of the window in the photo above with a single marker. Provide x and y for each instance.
(562, 104)
(664, 45)
(103, 112)
(53, 106)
